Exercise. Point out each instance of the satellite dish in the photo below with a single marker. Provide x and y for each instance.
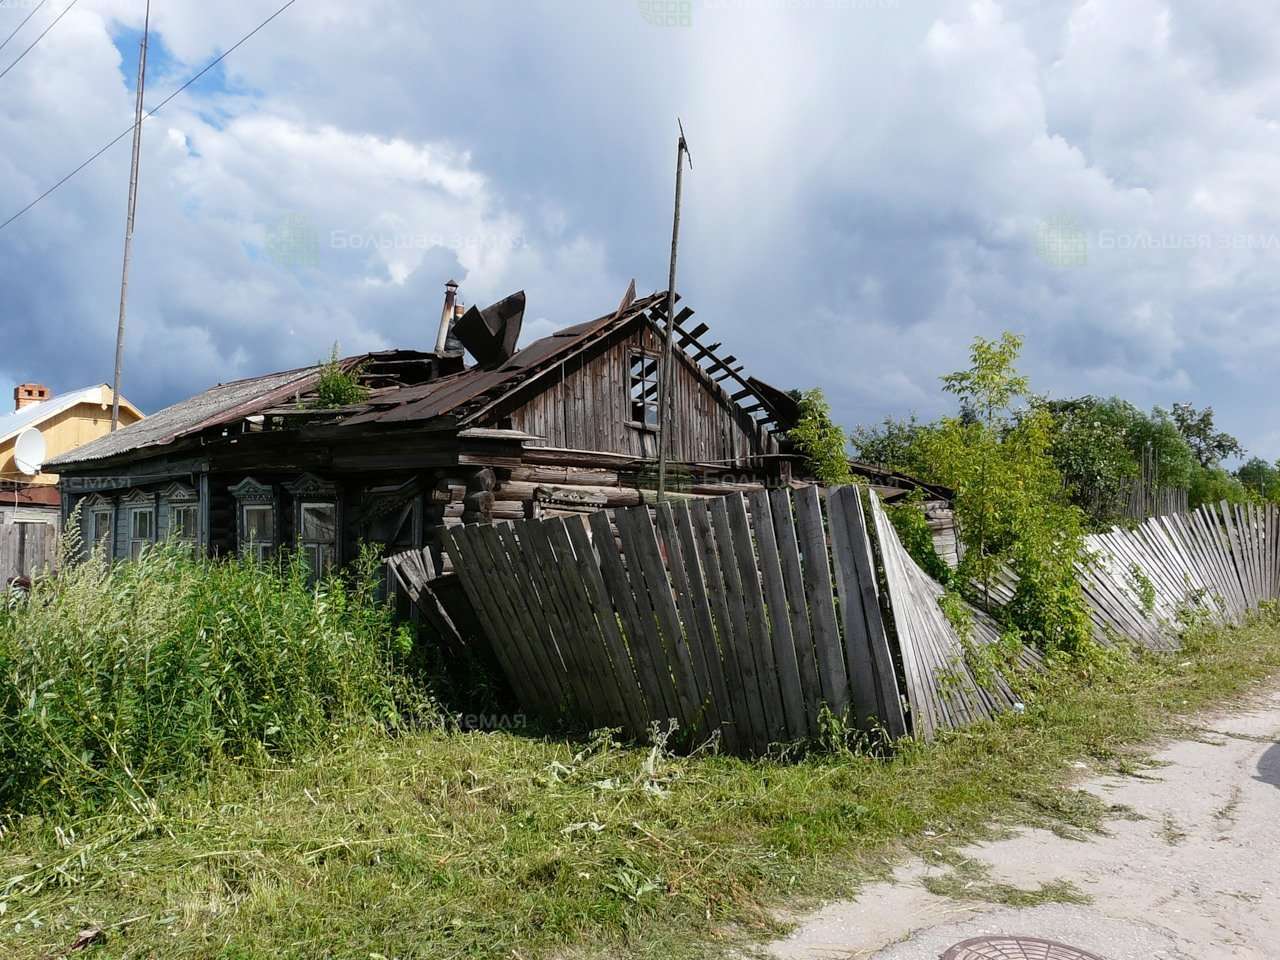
(29, 451)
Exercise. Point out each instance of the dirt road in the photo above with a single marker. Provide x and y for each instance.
(1197, 877)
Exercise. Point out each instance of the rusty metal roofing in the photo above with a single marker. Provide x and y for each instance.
(461, 393)
(464, 396)
(222, 403)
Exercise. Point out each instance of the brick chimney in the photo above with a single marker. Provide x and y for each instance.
(25, 394)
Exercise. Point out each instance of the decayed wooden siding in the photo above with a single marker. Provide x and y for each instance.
(587, 406)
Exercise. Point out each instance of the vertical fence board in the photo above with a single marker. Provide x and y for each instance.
(640, 543)
(701, 642)
(820, 600)
(745, 718)
(779, 618)
(623, 667)
(740, 636)
(793, 580)
(865, 703)
(758, 627)
(654, 678)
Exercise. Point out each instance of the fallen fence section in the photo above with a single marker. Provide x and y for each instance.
(1217, 561)
(938, 657)
(26, 550)
(749, 617)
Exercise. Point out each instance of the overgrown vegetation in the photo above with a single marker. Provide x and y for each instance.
(821, 440)
(1102, 449)
(438, 843)
(338, 386)
(120, 681)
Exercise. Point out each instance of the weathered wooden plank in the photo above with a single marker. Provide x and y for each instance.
(739, 636)
(705, 583)
(640, 543)
(609, 693)
(702, 645)
(608, 620)
(511, 599)
(730, 629)
(864, 702)
(758, 627)
(820, 599)
(544, 636)
(460, 546)
(779, 617)
(654, 679)
(887, 691)
(793, 582)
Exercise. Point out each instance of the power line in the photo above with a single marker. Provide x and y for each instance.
(65, 11)
(34, 11)
(154, 110)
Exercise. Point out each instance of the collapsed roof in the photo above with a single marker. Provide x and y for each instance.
(413, 387)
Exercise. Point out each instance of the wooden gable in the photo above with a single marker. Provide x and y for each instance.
(586, 404)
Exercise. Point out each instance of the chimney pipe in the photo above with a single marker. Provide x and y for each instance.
(446, 316)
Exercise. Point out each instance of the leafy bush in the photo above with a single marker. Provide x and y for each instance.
(820, 440)
(892, 443)
(116, 680)
(337, 387)
(907, 516)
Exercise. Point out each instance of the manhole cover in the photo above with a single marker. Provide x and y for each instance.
(1015, 948)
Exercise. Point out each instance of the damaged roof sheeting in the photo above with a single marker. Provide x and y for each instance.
(221, 404)
(435, 390)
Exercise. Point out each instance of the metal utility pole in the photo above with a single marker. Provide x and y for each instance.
(664, 383)
(133, 207)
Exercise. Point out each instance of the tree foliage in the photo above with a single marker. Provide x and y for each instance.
(1010, 502)
(1210, 445)
(820, 440)
(893, 444)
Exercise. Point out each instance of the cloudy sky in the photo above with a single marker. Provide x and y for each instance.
(875, 182)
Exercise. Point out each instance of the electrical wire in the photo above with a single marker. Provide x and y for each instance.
(65, 11)
(34, 11)
(152, 112)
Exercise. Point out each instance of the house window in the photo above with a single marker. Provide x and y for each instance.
(317, 535)
(100, 530)
(142, 530)
(184, 523)
(258, 525)
(644, 389)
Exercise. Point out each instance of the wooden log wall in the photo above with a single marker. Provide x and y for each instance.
(744, 617)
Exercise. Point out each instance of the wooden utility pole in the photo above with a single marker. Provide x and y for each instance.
(664, 384)
(133, 207)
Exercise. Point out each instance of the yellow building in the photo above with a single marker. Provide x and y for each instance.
(65, 422)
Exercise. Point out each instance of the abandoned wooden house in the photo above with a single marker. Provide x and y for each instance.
(567, 424)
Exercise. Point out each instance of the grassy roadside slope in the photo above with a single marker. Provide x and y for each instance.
(469, 845)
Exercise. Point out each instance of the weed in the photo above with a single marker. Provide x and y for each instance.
(970, 879)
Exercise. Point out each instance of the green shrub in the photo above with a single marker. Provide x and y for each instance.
(821, 440)
(116, 680)
(337, 387)
(913, 530)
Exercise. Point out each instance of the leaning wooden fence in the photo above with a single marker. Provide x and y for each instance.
(1218, 561)
(749, 617)
(26, 550)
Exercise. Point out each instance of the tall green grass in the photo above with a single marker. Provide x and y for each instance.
(119, 679)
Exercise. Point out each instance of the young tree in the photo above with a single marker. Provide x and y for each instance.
(1011, 505)
(821, 440)
(1210, 446)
